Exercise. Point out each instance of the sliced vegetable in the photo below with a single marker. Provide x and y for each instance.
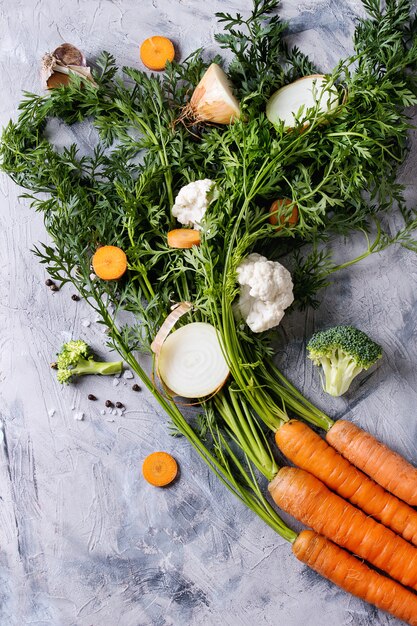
(213, 99)
(306, 498)
(352, 575)
(156, 51)
(109, 262)
(290, 104)
(183, 238)
(191, 361)
(159, 469)
(279, 213)
(303, 447)
(385, 466)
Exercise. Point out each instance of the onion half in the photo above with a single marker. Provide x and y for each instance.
(191, 362)
(213, 99)
(308, 92)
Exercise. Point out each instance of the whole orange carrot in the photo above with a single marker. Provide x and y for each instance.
(310, 452)
(386, 467)
(353, 576)
(306, 498)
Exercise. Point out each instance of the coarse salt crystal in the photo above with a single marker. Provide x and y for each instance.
(115, 382)
(79, 416)
(51, 412)
(103, 412)
(86, 323)
(127, 374)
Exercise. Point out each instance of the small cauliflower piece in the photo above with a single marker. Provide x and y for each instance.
(192, 202)
(266, 291)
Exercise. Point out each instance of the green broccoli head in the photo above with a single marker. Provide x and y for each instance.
(343, 352)
(76, 359)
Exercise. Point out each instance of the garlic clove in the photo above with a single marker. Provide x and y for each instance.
(56, 79)
(67, 54)
(213, 99)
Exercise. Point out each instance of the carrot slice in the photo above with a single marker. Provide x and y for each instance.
(156, 51)
(352, 575)
(307, 499)
(109, 262)
(385, 466)
(159, 469)
(303, 447)
(183, 238)
(278, 213)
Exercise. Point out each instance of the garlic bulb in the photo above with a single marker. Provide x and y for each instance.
(57, 66)
(213, 99)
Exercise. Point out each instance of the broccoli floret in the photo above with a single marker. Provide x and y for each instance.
(343, 352)
(76, 359)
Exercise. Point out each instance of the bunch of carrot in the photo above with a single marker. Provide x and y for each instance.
(349, 513)
(317, 493)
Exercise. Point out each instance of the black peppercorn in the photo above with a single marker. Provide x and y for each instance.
(49, 282)
(75, 297)
(135, 387)
(91, 396)
(119, 405)
(109, 403)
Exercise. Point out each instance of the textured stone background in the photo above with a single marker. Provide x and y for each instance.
(83, 540)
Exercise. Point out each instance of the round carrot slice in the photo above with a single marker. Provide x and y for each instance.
(156, 51)
(109, 262)
(278, 215)
(183, 238)
(159, 469)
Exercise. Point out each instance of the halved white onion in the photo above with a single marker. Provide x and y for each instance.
(191, 362)
(309, 92)
(213, 99)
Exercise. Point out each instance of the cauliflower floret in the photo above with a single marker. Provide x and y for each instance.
(192, 201)
(266, 290)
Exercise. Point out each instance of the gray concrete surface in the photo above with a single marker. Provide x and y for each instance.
(83, 539)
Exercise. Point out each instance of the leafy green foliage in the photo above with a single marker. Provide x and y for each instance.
(340, 170)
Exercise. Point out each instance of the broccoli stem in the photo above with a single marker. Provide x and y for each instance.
(338, 373)
(89, 366)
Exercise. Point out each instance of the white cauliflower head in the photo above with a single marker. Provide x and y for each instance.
(192, 201)
(266, 291)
